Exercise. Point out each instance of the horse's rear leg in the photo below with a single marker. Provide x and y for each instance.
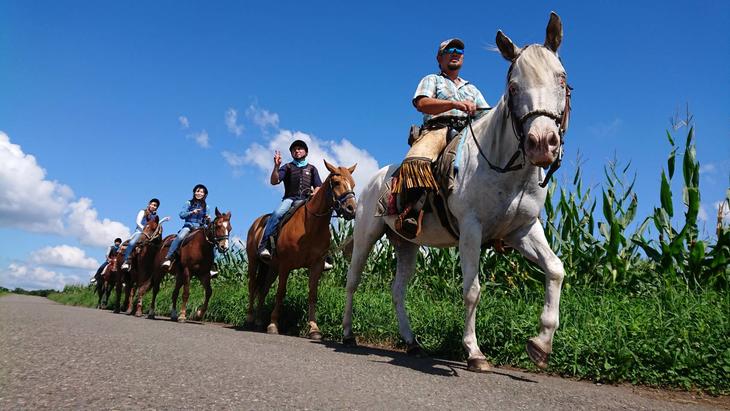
(208, 292)
(186, 294)
(155, 290)
(368, 229)
(253, 267)
(273, 327)
(314, 275)
(406, 254)
(118, 294)
(175, 291)
(141, 291)
(533, 245)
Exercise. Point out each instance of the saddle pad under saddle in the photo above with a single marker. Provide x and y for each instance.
(443, 172)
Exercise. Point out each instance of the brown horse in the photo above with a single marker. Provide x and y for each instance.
(155, 279)
(144, 259)
(196, 258)
(150, 234)
(119, 278)
(105, 281)
(303, 242)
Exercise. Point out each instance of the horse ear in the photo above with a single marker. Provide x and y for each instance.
(554, 32)
(329, 166)
(506, 47)
(352, 169)
(217, 213)
(228, 215)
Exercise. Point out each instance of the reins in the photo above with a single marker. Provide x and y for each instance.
(336, 203)
(561, 119)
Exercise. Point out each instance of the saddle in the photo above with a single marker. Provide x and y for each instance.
(443, 170)
(284, 219)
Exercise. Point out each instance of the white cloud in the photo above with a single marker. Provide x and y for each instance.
(262, 117)
(233, 159)
(184, 122)
(34, 278)
(338, 153)
(604, 130)
(63, 256)
(708, 168)
(231, 122)
(85, 225)
(30, 202)
(200, 138)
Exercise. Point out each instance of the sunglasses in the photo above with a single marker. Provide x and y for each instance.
(453, 50)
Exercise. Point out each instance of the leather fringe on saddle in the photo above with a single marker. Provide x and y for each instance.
(415, 173)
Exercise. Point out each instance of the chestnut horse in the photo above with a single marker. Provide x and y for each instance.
(155, 279)
(196, 258)
(144, 259)
(303, 242)
(150, 235)
(105, 281)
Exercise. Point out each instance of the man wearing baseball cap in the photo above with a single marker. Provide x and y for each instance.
(446, 101)
(300, 178)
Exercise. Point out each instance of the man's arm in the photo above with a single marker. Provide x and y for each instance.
(140, 216)
(277, 174)
(433, 106)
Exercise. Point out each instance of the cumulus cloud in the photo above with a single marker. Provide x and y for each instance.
(184, 123)
(85, 225)
(63, 256)
(342, 153)
(708, 168)
(34, 278)
(30, 202)
(232, 122)
(201, 138)
(262, 117)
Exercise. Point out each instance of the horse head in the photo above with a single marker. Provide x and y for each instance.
(152, 230)
(341, 185)
(220, 229)
(538, 96)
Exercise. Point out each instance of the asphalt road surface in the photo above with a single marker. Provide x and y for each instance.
(61, 357)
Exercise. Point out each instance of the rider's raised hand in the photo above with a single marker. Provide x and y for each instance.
(277, 158)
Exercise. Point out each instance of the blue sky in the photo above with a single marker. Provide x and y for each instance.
(104, 105)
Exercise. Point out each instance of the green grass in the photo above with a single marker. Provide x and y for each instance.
(668, 338)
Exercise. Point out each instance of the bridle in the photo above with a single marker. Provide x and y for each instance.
(150, 238)
(561, 120)
(215, 241)
(336, 203)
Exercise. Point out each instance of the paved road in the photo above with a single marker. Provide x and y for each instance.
(55, 356)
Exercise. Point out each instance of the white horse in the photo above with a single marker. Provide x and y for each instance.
(488, 203)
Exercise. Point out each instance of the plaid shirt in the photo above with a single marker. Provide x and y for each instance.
(441, 87)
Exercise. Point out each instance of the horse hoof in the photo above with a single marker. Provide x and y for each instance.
(272, 329)
(151, 316)
(315, 335)
(349, 341)
(249, 325)
(537, 354)
(199, 315)
(478, 365)
(117, 311)
(415, 350)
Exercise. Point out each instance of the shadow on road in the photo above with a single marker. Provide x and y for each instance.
(432, 366)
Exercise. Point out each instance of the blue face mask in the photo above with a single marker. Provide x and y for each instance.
(300, 163)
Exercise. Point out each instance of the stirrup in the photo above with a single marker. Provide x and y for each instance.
(409, 225)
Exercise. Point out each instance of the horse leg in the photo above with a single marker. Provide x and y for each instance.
(314, 274)
(155, 290)
(186, 294)
(118, 293)
(469, 249)
(280, 293)
(253, 266)
(208, 292)
(406, 254)
(266, 280)
(141, 291)
(531, 243)
(175, 291)
(368, 229)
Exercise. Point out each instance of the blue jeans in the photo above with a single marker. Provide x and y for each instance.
(179, 239)
(176, 242)
(274, 220)
(132, 243)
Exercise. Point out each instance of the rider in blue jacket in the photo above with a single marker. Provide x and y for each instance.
(196, 214)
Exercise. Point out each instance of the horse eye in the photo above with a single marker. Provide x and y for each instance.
(512, 88)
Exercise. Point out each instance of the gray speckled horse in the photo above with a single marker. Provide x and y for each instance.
(488, 204)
